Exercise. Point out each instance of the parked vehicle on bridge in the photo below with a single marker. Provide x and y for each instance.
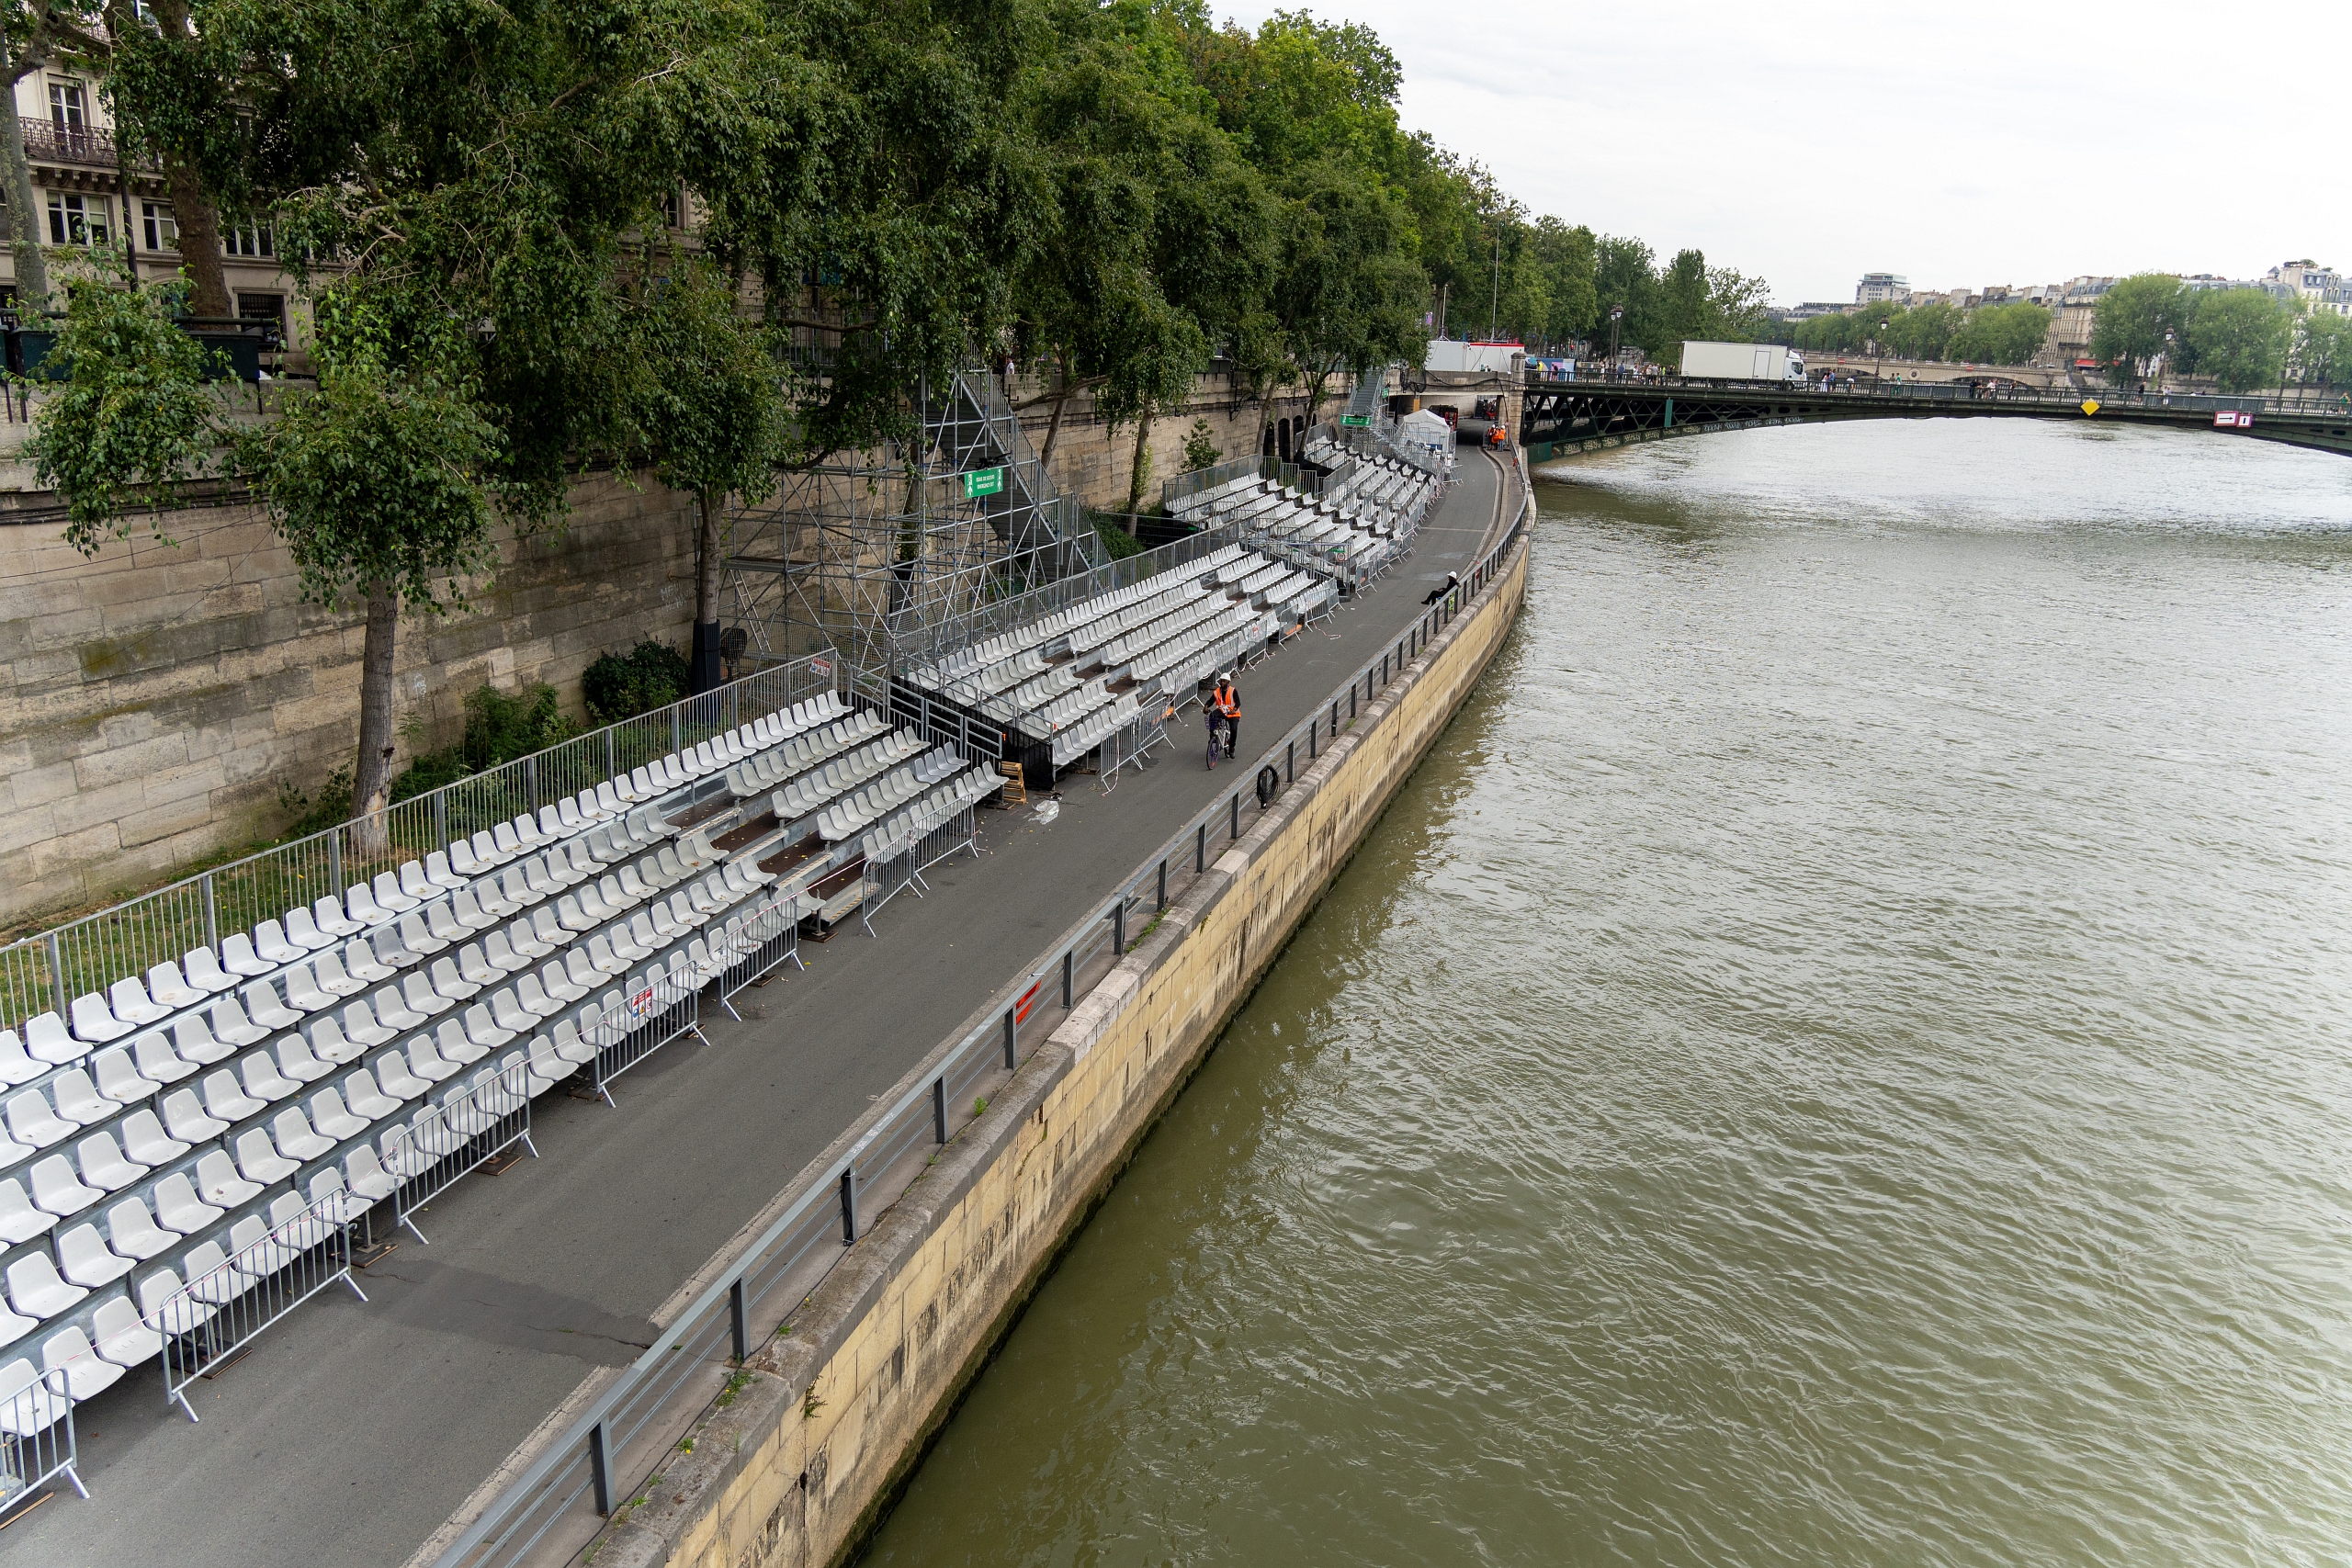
(1742, 362)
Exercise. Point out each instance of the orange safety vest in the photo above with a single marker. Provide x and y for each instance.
(1228, 702)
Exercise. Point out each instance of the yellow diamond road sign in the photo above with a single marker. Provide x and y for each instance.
(2090, 405)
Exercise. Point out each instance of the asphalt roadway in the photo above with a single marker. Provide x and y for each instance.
(353, 1431)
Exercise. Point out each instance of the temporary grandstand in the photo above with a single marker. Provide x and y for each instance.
(191, 1139)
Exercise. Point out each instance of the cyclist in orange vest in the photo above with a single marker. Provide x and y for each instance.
(1225, 708)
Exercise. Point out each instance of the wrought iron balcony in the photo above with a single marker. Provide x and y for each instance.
(46, 141)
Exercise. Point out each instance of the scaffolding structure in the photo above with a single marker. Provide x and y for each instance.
(894, 559)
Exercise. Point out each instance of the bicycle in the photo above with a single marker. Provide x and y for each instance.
(1217, 740)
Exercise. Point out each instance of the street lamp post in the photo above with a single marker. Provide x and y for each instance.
(1879, 363)
(1616, 314)
(2167, 374)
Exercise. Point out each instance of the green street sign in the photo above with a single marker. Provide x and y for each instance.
(985, 481)
(1357, 419)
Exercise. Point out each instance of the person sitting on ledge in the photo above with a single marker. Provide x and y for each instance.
(1452, 580)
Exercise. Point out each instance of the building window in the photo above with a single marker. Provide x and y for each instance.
(79, 220)
(162, 228)
(68, 110)
(263, 308)
(250, 240)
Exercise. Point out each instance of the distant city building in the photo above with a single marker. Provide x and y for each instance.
(2080, 290)
(1881, 288)
(1813, 307)
(2314, 287)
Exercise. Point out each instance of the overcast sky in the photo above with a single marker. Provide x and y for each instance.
(1958, 145)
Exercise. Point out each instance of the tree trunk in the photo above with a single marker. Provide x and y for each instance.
(1140, 474)
(1054, 426)
(704, 668)
(371, 773)
(200, 226)
(24, 216)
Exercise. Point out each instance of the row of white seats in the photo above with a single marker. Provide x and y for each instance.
(799, 752)
(891, 838)
(851, 816)
(812, 791)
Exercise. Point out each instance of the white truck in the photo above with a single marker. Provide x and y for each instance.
(1742, 362)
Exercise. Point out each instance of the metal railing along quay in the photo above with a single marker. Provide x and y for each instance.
(603, 1458)
(2001, 390)
(43, 973)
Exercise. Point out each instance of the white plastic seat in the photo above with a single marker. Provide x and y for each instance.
(130, 1003)
(364, 1175)
(416, 883)
(448, 983)
(94, 1025)
(365, 1100)
(475, 968)
(303, 992)
(291, 1222)
(270, 943)
(500, 954)
(56, 1189)
(19, 1221)
(452, 1044)
(420, 939)
(391, 1010)
(428, 1063)
(193, 1042)
(202, 967)
(361, 1027)
(295, 1060)
(219, 1184)
(145, 1142)
(535, 1002)
(36, 1289)
(328, 972)
(397, 1079)
(327, 914)
(69, 1351)
(565, 1040)
(556, 982)
(390, 897)
(465, 908)
(545, 1069)
(17, 1063)
(168, 989)
(119, 1078)
(209, 1279)
(239, 958)
(186, 1119)
(259, 1161)
(229, 1025)
(478, 1028)
(329, 1044)
(34, 1124)
(417, 990)
(547, 930)
(165, 1303)
(332, 1119)
(78, 1100)
(224, 1098)
(291, 1132)
(133, 1233)
(263, 1080)
(265, 1010)
(102, 1166)
(360, 962)
(508, 841)
(179, 1209)
(439, 871)
(441, 919)
(302, 931)
(121, 1337)
(83, 1260)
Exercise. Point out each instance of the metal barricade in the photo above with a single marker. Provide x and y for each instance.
(37, 1438)
(217, 1312)
(660, 1011)
(764, 938)
(453, 1138)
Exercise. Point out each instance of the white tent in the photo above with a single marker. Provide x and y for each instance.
(1424, 429)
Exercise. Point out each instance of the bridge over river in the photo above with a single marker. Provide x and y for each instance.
(1561, 419)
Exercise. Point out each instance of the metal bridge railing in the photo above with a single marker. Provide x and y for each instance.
(44, 973)
(2315, 403)
(593, 1468)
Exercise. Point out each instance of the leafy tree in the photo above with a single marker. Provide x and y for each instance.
(2323, 350)
(710, 405)
(35, 35)
(1200, 448)
(2239, 337)
(2001, 335)
(2128, 324)
(133, 422)
(379, 482)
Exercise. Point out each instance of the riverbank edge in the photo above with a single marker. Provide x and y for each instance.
(825, 1425)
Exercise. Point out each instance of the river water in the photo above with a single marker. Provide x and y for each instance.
(1840, 1057)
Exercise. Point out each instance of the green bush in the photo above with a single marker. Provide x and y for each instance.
(1200, 446)
(499, 728)
(622, 685)
(1116, 539)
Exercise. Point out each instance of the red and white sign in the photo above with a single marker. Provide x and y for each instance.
(821, 667)
(2228, 420)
